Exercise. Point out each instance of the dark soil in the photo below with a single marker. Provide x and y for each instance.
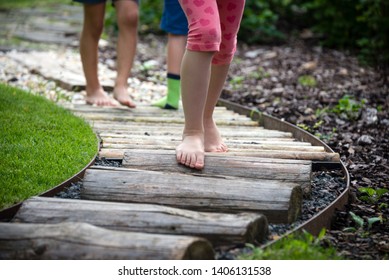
(357, 127)
(330, 94)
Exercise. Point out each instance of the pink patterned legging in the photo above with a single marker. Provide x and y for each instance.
(213, 26)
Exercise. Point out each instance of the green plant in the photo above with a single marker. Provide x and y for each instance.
(325, 137)
(110, 22)
(259, 74)
(304, 126)
(360, 223)
(298, 246)
(150, 16)
(259, 22)
(352, 24)
(383, 205)
(237, 82)
(371, 195)
(348, 107)
(307, 81)
(321, 112)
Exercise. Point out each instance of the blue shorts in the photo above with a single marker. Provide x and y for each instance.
(173, 18)
(97, 1)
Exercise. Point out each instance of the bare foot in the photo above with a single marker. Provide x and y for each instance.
(191, 151)
(212, 139)
(100, 98)
(121, 95)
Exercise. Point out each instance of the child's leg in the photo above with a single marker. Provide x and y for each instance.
(91, 32)
(203, 41)
(174, 23)
(212, 139)
(195, 72)
(230, 13)
(175, 51)
(127, 17)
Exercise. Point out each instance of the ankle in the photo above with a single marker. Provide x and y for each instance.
(209, 123)
(193, 132)
(120, 87)
(94, 91)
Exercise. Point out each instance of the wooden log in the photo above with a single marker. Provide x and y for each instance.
(149, 111)
(156, 119)
(140, 107)
(177, 140)
(127, 138)
(150, 116)
(294, 155)
(170, 145)
(80, 241)
(297, 155)
(176, 129)
(224, 165)
(146, 131)
(219, 228)
(279, 201)
(134, 125)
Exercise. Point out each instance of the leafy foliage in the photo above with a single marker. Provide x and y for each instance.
(361, 25)
(348, 108)
(298, 246)
(307, 80)
(372, 195)
(150, 15)
(360, 223)
(259, 22)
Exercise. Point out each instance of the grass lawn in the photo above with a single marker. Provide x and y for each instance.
(41, 145)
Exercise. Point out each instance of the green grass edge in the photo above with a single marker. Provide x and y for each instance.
(41, 145)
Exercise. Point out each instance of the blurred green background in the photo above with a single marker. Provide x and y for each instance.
(360, 26)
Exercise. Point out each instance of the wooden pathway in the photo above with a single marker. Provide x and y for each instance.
(153, 208)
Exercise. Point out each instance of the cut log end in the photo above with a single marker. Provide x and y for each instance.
(257, 230)
(199, 250)
(296, 198)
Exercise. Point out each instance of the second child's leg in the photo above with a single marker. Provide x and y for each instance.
(90, 36)
(174, 23)
(127, 16)
(175, 51)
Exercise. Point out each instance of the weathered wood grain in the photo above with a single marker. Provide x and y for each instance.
(297, 155)
(177, 140)
(219, 228)
(171, 145)
(224, 165)
(279, 201)
(149, 111)
(176, 128)
(157, 119)
(254, 134)
(81, 241)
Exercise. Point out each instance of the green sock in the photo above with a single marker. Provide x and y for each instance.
(172, 99)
